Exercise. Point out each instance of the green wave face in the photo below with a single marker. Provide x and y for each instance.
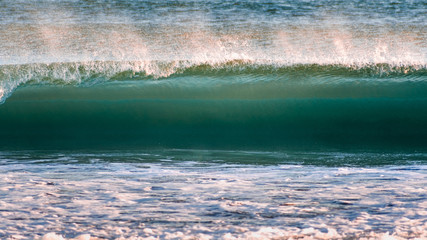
(252, 77)
(230, 105)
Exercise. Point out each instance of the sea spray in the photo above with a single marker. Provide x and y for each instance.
(99, 72)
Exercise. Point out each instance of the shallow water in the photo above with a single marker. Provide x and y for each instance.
(175, 194)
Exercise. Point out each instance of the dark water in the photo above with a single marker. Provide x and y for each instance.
(213, 119)
(227, 106)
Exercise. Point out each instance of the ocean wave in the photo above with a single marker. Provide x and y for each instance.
(96, 72)
(240, 101)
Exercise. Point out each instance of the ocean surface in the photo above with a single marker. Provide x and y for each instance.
(213, 119)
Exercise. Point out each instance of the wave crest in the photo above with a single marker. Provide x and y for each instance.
(96, 72)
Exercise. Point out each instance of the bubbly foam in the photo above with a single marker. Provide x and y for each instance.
(179, 194)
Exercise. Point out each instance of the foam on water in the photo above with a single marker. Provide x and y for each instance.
(162, 195)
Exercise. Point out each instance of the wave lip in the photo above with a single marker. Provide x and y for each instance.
(98, 72)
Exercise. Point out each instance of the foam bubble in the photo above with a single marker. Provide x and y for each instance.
(52, 236)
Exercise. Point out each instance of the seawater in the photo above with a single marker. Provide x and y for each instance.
(213, 119)
(212, 194)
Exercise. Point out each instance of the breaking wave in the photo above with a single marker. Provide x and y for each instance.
(99, 72)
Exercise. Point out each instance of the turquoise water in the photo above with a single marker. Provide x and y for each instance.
(213, 119)
(228, 106)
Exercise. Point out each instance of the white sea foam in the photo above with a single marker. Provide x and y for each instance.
(202, 200)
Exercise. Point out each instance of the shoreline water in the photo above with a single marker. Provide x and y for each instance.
(205, 194)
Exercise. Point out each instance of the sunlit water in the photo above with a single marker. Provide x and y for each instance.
(195, 194)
